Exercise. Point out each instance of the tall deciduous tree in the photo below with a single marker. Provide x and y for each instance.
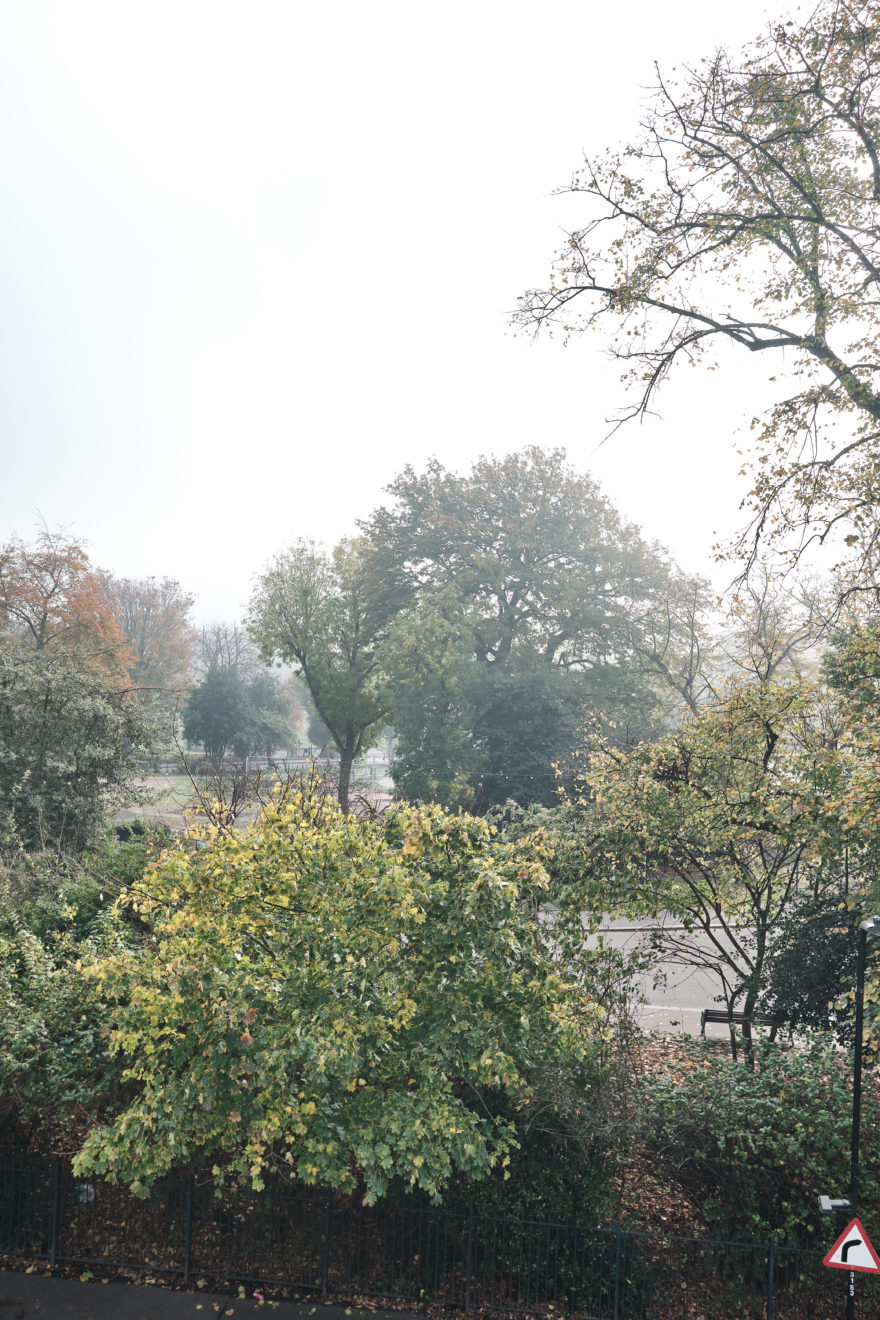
(522, 581)
(225, 646)
(50, 593)
(153, 616)
(229, 646)
(69, 725)
(746, 214)
(328, 615)
(540, 556)
(225, 713)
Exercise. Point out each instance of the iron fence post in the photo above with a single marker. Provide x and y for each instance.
(617, 1272)
(325, 1264)
(188, 1230)
(55, 1235)
(470, 1259)
(771, 1265)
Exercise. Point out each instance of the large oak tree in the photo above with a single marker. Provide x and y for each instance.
(527, 598)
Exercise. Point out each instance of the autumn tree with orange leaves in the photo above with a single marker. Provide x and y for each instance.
(50, 593)
(69, 724)
(152, 615)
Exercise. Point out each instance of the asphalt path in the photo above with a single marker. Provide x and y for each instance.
(23, 1295)
(676, 1002)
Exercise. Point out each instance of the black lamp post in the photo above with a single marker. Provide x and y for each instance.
(826, 1205)
(870, 927)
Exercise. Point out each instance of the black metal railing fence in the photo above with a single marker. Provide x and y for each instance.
(314, 1242)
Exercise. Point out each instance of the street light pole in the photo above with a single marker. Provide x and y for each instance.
(827, 1206)
(857, 1065)
(866, 928)
(857, 1103)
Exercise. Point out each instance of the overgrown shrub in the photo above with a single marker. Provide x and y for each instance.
(756, 1146)
(569, 1139)
(56, 1072)
(57, 1076)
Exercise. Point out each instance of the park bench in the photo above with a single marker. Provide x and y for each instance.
(722, 1015)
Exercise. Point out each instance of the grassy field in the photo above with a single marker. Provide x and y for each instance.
(169, 796)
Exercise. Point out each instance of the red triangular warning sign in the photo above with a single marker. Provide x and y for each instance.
(853, 1251)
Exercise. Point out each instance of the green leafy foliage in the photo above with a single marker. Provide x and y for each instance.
(756, 1145)
(228, 713)
(330, 995)
(744, 214)
(722, 823)
(328, 615)
(50, 894)
(851, 667)
(520, 581)
(569, 1141)
(811, 967)
(525, 716)
(565, 834)
(55, 1067)
(56, 1071)
(69, 733)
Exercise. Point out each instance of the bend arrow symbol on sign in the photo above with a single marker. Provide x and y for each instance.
(853, 1251)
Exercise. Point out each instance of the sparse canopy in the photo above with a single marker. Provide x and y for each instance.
(724, 823)
(49, 593)
(746, 213)
(225, 646)
(153, 616)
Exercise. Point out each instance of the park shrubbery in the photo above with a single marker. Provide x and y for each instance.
(409, 1004)
(755, 1145)
(56, 910)
(211, 1003)
(351, 1000)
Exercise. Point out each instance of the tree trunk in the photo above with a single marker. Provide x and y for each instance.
(748, 1040)
(346, 759)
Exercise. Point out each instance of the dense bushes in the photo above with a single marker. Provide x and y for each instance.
(751, 1146)
(756, 1146)
(70, 730)
(330, 995)
(56, 1072)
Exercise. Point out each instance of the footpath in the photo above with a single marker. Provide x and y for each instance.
(25, 1295)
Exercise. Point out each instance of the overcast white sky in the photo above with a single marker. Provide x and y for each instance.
(255, 257)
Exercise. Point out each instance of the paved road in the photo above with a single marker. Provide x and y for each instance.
(24, 1295)
(677, 1002)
